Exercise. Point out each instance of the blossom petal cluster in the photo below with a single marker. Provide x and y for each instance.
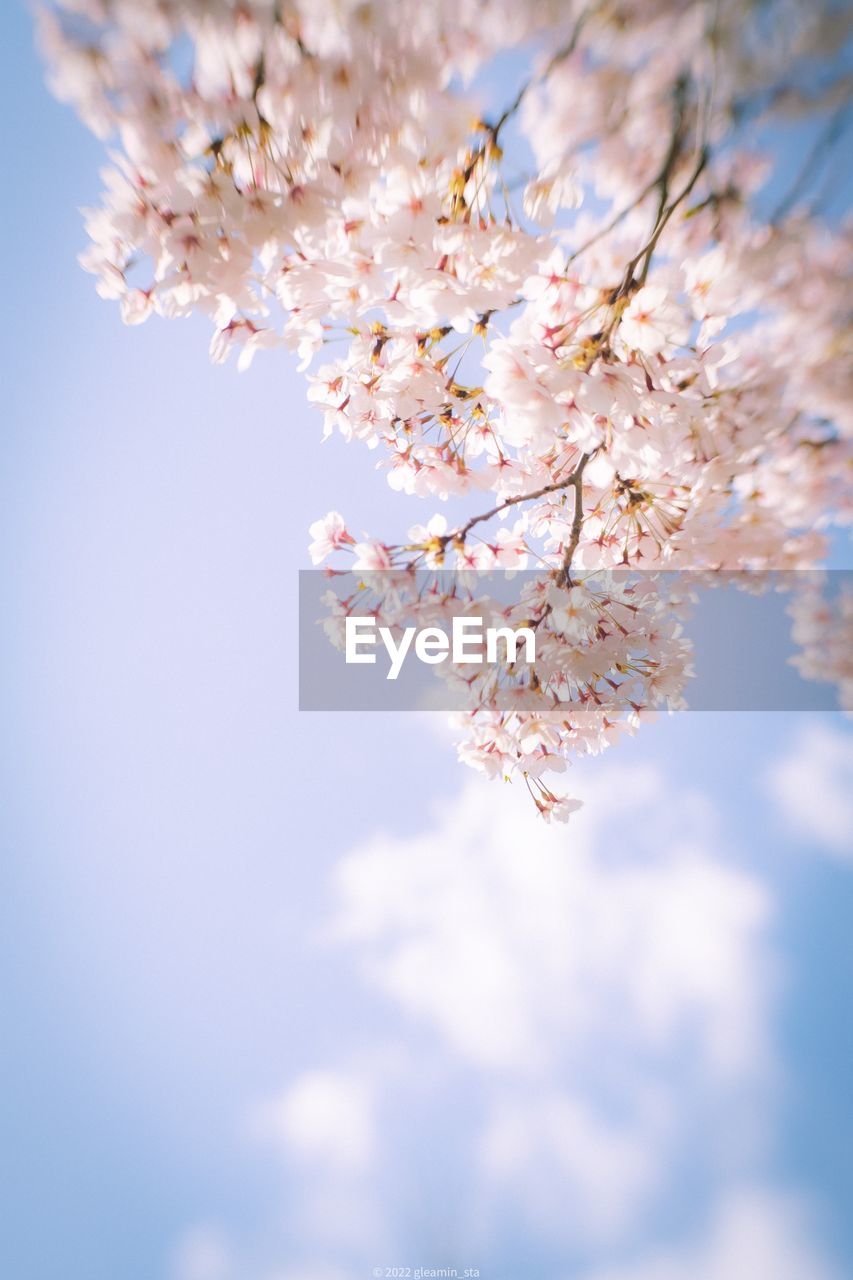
(569, 308)
(609, 651)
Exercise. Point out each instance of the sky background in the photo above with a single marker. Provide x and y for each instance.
(290, 997)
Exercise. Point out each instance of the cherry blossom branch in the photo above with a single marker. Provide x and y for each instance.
(458, 535)
(577, 521)
(560, 56)
(647, 254)
(614, 221)
(493, 131)
(629, 281)
(341, 190)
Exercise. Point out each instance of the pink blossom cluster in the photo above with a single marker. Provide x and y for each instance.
(565, 309)
(610, 651)
(823, 630)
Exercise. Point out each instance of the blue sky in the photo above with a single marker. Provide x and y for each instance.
(201, 949)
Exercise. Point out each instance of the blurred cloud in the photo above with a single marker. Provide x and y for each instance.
(541, 1147)
(203, 1254)
(325, 1116)
(576, 971)
(512, 940)
(812, 786)
(576, 1022)
(756, 1234)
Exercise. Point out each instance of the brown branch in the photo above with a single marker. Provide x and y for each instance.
(614, 221)
(645, 254)
(827, 139)
(660, 180)
(459, 535)
(560, 56)
(577, 521)
(670, 209)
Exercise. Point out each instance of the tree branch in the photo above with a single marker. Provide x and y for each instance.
(560, 56)
(577, 521)
(827, 139)
(459, 535)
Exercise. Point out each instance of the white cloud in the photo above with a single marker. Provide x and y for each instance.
(572, 1015)
(203, 1254)
(511, 939)
(575, 969)
(756, 1234)
(812, 785)
(324, 1116)
(324, 1126)
(541, 1147)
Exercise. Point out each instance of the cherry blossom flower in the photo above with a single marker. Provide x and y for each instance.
(371, 557)
(329, 534)
(653, 322)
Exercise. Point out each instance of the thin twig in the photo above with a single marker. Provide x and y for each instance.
(646, 253)
(614, 221)
(459, 535)
(560, 56)
(835, 127)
